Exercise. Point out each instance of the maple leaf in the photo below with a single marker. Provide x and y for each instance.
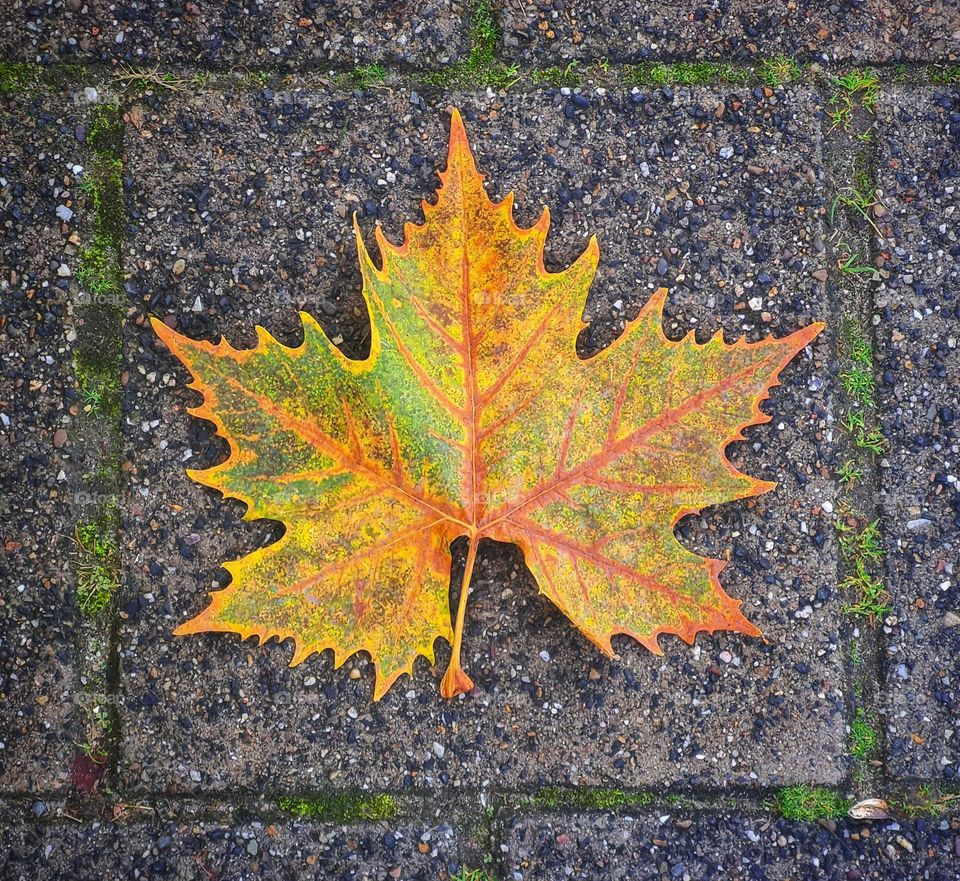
(472, 415)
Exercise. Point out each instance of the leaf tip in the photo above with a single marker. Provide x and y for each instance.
(199, 624)
(457, 131)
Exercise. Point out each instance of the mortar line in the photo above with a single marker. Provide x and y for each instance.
(864, 688)
(592, 71)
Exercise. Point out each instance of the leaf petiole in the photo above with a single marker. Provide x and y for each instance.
(455, 680)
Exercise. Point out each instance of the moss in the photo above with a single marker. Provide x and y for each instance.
(98, 265)
(16, 77)
(864, 739)
(810, 803)
(341, 807)
(588, 799)
(106, 128)
(97, 562)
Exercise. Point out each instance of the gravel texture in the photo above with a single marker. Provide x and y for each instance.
(235, 32)
(40, 156)
(917, 313)
(545, 32)
(242, 209)
(277, 850)
(687, 846)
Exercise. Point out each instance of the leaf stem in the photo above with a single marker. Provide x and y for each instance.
(455, 681)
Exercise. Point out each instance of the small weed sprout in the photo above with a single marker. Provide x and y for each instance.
(779, 70)
(849, 472)
(871, 594)
(368, 75)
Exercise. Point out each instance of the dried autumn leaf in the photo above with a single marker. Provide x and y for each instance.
(472, 415)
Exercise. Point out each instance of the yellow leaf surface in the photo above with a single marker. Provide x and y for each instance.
(473, 415)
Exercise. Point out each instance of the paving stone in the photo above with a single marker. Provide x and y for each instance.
(548, 32)
(232, 32)
(39, 160)
(203, 849)
(918, 310)
(715, 194)
(655, 846)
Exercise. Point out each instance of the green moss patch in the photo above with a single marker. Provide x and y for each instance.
(810, 803)
(97, 562)
(344, 807)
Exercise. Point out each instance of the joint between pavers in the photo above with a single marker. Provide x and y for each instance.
(853, 247)
(98, 310)
(496, 69)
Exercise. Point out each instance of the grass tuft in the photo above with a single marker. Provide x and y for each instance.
(557, 77)
(860, 84)
(849, 472)
(872, 596)
(465, 874)
(864, 543)
(871, 439)
(779, 70)
(367, 76)
(927, 801)
(946, 76)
